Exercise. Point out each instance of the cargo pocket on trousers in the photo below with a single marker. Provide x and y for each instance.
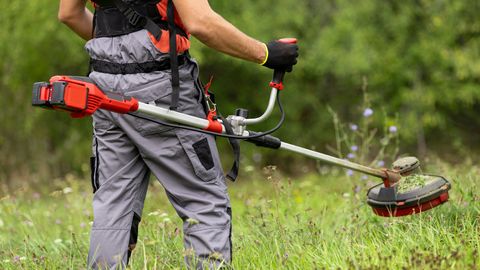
(202, 149)
(157, 93)
(198, 150)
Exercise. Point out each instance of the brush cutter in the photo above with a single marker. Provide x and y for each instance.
(81, 97)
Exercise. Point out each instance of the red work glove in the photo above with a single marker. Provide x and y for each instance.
(280, 56)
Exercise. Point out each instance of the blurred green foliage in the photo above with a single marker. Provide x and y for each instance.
(34, 46)
(420, 58)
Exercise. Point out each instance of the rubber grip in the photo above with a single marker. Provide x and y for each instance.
(288, 40)
(278, 75)
(267, 141)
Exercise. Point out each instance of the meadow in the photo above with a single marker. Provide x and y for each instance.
(317, 221)
(417, 59)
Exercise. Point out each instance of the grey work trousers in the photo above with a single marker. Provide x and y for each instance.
(126, 149)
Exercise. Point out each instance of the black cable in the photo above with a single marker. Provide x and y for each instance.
(261, 134)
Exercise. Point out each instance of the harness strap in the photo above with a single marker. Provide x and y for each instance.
(173, 56)
(137, 19)
(133, 68)
(145, 22)
(233, 173)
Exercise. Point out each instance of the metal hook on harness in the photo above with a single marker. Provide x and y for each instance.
(213, 124)
(208, 99)
(212, 106)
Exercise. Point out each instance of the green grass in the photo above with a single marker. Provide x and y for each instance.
(316, 222)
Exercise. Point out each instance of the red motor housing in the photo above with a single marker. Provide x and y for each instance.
(80, 96)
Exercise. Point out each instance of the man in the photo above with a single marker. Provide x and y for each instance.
(131, 60)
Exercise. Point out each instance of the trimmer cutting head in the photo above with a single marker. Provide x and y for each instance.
(388, 201)
(413, 194)
(407, 165)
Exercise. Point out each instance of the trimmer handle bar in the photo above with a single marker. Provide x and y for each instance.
(80, 96)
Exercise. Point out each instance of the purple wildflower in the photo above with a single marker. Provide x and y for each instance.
(381, 163)
(349, 172)
(351, 156)
(392, 129)
(368, 112)
(16, 259)
(354, 148)
(353, 127)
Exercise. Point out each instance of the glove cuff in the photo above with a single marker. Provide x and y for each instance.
(266, 55)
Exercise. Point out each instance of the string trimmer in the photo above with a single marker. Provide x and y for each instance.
(81, 97)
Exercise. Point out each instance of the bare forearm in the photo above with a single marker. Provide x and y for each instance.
(214, 31)
(77, 17)
(223, 36)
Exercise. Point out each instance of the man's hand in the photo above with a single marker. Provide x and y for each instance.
(77, 17)
(281, 56)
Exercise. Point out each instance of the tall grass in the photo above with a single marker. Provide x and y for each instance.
(316, 222)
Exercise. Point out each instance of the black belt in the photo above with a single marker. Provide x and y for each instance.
(133, 68)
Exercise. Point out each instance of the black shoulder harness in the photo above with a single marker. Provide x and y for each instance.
(120, 17)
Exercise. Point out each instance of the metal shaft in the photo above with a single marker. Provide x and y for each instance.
(173, 116)
(169, 115)
(333, 160)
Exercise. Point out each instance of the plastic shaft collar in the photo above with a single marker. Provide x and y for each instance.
(213, 124)
(278, 86)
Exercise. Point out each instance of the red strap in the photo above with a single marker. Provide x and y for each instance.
(207, 86)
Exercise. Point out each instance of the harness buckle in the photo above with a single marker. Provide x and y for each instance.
(134, 18)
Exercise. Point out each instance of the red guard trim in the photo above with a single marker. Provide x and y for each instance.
(398, 212)
(213, 124)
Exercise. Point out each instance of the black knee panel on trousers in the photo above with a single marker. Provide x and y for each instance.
(133, 234)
